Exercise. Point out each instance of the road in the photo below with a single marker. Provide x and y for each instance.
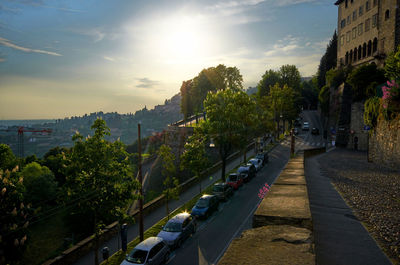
(133, 231)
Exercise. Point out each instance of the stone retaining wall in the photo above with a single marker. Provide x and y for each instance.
(384, 143)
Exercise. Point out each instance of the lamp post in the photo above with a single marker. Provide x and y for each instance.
(283, 122)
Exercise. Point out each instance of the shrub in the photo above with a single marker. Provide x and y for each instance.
(372, 110)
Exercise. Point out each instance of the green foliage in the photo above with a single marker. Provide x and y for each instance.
(270, 78)
(309, 93)
(323, 97)
(55, 160)
(99, 178)
(194, 155)
(14, 216)
(335, 77)
(171, 183)
(41, 188)
(392, 65)
(286, 75)
(328, 61)
(211, 79)
(361, 78)
(372, 109)
(7, 158)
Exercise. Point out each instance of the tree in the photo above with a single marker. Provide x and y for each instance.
(270, 78)
(194, 155)
(223, 122)
(100, 174)
(14, 216)
(186, 101)
(55, 160)
(364, 80)
(171, 183)
(41, 188)
(328, 61)
(290, 76)
(323, 97)
(309, 93)
(392, 65)
(7, 158)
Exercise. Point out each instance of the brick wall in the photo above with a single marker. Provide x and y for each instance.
(384, 143)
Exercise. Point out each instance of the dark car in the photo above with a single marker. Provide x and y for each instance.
(177, 229)
(315, 131)
(264, 157)
(205, 206)
(222, 190)
(296, 131)
(247, 172)
(234, 180)
(152, 251)
(297, 122)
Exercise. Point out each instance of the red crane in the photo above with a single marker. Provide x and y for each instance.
(21, 131)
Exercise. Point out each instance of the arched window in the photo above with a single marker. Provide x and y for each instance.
(351, 56)
(375, 45)
(359, 52)
(364, 50)
(387, 14)
(346, 61)
(369, 48)
(355, 54)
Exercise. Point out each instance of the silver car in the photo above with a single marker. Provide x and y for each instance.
(177, 229)
(152, 251)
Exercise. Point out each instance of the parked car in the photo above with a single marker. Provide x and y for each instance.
(234, 180)
(177, 229)
(296, 131)
(264, 157)
(297, 122)
(306, 126)
(222, 190)
(247, 172)
(152, 251)
(315, 131)
(205, 206)
(257, 163)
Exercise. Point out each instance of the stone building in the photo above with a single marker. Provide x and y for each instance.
(368, 30)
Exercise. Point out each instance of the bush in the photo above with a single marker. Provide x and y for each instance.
(372, 110)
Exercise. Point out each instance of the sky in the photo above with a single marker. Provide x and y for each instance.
(62, 58)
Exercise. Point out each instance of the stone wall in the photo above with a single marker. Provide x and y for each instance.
(384, 143)
(357, 127)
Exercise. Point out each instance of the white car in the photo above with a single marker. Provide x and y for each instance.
(306, 126)
(257, 163)
(152, 251)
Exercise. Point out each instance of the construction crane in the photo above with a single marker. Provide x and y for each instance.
(21, 131)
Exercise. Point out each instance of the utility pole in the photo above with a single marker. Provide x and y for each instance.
(141, 187)
(292, 142)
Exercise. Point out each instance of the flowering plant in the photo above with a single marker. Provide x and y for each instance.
(391, 98)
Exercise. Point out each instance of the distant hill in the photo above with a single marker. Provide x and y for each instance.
(122, 126)
(251, 90)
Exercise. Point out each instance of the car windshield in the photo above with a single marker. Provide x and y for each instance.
(137, 256)
(253, 161)
(218, 189)
(260, 156)
(232, 178)
(173, 227)
(202, 203)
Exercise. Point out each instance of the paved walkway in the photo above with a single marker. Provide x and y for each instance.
(339, 237)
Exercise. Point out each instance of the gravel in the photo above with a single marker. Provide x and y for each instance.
(372, 191)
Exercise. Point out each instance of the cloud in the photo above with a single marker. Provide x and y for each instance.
(286, 45)
(9, 44)
(96, 33)
(146, 83)
(109, 58)
(2, 59)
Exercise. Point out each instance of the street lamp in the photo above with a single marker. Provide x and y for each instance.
(283, 123)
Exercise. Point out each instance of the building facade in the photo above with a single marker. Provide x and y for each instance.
(368, 30)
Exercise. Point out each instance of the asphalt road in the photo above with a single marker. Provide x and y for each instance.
(214, 235)
(133, 231)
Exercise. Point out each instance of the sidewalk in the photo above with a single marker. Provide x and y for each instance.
(152, 218)
(340, 238)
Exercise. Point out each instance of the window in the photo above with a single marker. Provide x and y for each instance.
(354, 15)
(387, 14)
(375, 45)
(360, 29)
(348, 20)
(348, 36)
(343, 23)
(369, 48)
(374, 20)
(354, 33)
(364, 53)
(359, 52)
(346, 61)
(375, 2)
(351, 1)
(367, 6)
(367, 24)
(355, 54)
(342, 40)
(346, 3)
(360, 11)
(351, 56)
